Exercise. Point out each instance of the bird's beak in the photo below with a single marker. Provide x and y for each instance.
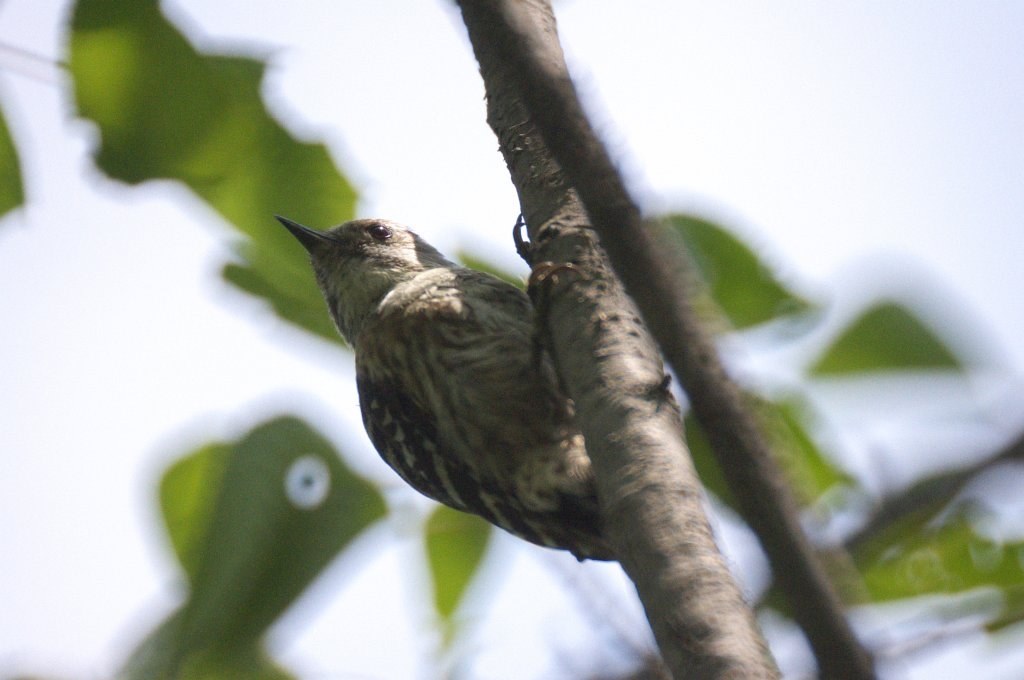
(309, 238)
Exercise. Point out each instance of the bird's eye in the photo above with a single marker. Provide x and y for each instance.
(379, 232)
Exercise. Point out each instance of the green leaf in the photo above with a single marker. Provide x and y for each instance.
(456, 543)
(708, 469)
(467, 259)
(246, 663)
(166, 110)
(288, 286)
(742, 286)
(187, 502)
(886, 337)
(158, 658)
(254, 522)
(12, 193)
(808, 470)
(938, 555)
(919, 502)
(1013, 603)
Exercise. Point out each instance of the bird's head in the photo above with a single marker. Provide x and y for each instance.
(359, 262)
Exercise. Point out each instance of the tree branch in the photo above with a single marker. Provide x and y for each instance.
(650, 495)
(929, 495)
(512, 45)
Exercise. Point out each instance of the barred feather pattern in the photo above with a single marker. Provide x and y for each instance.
(406, 439)
(455, 401)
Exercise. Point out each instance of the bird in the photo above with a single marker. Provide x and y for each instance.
(453, 392)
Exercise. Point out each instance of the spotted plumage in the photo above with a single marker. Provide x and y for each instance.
(453, 395)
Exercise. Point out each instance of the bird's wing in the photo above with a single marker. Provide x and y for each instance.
(461, 348)
(406, 438)
(452, 398)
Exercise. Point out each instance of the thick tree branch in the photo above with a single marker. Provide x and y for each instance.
(650, 495)
(511, 44)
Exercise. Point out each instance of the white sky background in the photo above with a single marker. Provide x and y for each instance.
(829, 132)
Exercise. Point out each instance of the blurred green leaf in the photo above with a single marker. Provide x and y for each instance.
(886, 337)
(159, 658)
(708, 469)
(742, 286)
(249, 663)
(456, 543)
(922, 500)
(291, 290)
(1013, 604)
(254, 522)
(12, 193)
(187, 503)
(937, 555)
(166, 110)
(481, 265)
(808, 470)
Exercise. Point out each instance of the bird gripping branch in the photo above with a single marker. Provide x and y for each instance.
(452, 393)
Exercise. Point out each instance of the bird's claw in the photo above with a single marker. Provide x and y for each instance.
(547, 274)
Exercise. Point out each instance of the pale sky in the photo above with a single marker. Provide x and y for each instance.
(830, 133)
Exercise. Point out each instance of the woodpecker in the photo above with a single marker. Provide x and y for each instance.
(453, 394)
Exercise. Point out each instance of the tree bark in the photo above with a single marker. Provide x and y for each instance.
(649, 492)
(517, 42)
